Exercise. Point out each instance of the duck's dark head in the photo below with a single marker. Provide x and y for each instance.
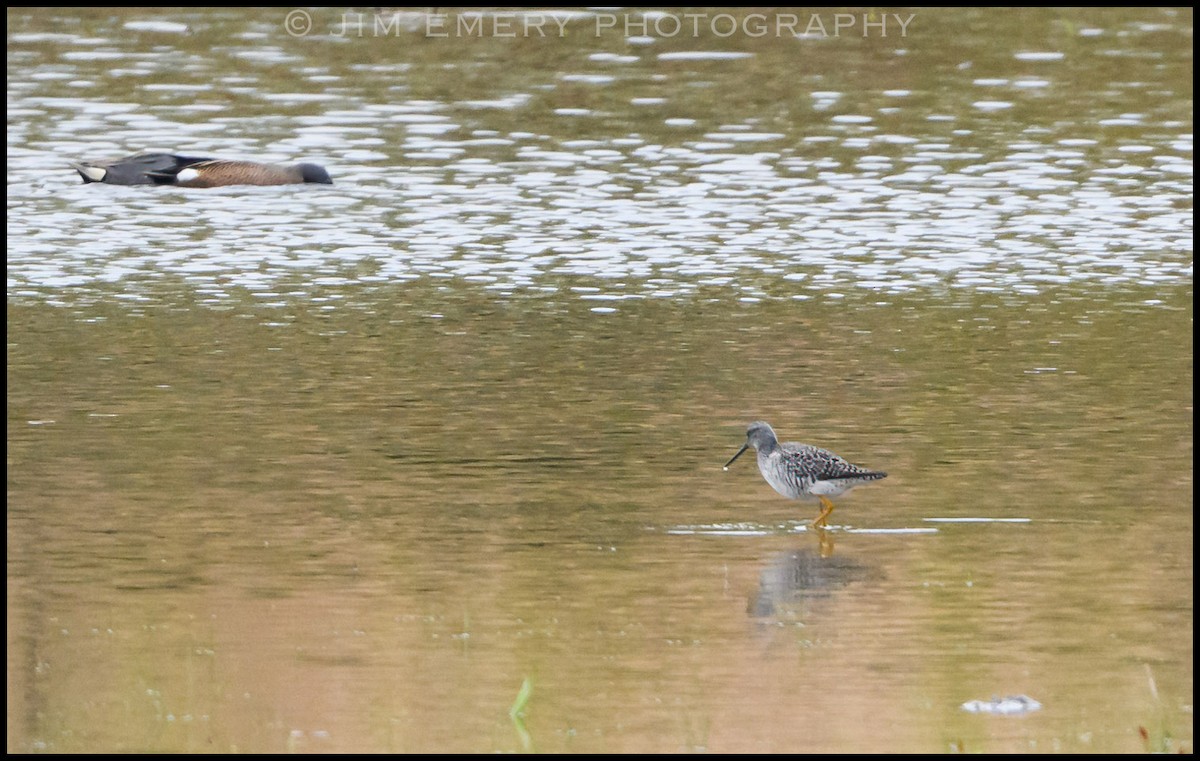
(315, 173)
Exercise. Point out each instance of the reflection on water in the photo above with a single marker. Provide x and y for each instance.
(801, 577)
(340, 469)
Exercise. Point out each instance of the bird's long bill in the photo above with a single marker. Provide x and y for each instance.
(739, 454)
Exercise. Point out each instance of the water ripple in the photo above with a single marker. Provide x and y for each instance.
(514, 188)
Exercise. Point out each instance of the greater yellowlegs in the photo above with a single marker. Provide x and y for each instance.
(801, 471)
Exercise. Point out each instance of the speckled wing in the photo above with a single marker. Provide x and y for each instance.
(823, 465)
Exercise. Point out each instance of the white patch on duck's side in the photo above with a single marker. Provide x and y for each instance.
(187, 175)
(93, 173)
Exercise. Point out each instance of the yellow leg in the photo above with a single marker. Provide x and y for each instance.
(825, 542)
(826, 509)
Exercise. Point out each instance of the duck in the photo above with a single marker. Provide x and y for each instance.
(134, 170)
(197, 172)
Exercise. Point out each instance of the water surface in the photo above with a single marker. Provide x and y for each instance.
(340, 468)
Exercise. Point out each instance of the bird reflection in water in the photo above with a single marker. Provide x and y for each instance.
(801, 577)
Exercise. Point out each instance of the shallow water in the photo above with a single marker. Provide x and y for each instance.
(341, 468)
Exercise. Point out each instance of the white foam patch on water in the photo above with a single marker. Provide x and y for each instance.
(978, 520)
(703, 55)
(723, 529)
(889, 530)
(1040, 56)
(164, 27)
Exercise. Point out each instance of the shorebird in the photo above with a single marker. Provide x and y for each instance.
(802, 471)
